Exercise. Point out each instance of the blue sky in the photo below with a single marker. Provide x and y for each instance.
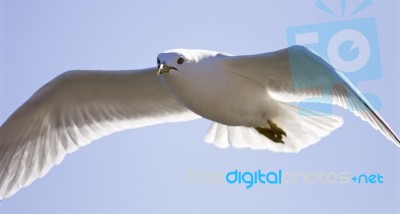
(148, 170)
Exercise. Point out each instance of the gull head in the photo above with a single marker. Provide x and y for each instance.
(181, 60)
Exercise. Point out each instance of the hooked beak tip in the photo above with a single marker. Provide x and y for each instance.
(160, 69)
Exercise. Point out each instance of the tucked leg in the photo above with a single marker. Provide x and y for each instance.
(273, 132)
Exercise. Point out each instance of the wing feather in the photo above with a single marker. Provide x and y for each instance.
(296, 74)
(73, 110)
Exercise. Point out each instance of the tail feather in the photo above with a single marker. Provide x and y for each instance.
(301, 128)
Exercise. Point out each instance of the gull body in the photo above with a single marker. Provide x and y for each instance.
(202, 82)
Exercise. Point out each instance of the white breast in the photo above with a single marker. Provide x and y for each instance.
(216, 93)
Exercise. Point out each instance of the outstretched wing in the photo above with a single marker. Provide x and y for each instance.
(73, 110)
(296, 74)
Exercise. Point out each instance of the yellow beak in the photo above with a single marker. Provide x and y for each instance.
(162, 69)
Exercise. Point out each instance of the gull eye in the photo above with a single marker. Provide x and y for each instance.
(180, 60)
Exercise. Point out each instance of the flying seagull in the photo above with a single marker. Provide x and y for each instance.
(248, 98)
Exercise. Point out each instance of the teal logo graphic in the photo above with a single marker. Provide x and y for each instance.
(349, 45)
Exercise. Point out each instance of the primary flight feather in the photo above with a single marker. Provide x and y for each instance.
(247, 97)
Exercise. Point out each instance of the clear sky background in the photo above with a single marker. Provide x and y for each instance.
(150, 170)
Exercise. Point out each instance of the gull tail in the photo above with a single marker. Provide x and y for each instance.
(303, 128)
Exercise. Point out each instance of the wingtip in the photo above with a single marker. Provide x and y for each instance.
(396, 140)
